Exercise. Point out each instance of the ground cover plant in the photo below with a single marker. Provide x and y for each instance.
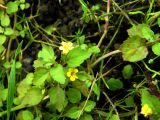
(79, 59)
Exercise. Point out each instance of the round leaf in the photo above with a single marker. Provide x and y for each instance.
(12, 7)
(74, 95)
(114, 84)
(127, 71)
(2, 39)
(156, 49)
(134, 49)
(5, 21)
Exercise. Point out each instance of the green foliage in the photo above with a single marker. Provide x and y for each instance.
(57, 98)
(156, 49)
(57, 73)
(134, 49)
(151, 100)
(74, 95)
(114, 84)
(127, 71)
(25, 115)
(35, 81)
(77, 56)
(144, 31)
(73, 112)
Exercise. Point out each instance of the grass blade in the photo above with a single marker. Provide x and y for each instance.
(11, 83)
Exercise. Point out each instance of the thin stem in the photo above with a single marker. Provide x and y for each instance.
(105, 56)
(114, 107)
(125, 14)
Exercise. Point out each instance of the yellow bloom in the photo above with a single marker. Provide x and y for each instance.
(146, 110)
(66, 47)
(72, 74)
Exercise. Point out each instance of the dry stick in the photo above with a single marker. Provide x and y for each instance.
(114, 107)
(125, 14)
(106, 25)
(94, 81)
(105, 56)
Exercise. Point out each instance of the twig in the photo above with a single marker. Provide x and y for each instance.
(105, 56)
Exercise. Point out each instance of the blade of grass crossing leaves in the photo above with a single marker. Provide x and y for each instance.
(11, 83)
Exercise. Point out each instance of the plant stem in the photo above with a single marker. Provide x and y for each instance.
(105, 56)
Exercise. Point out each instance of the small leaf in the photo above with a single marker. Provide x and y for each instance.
(1, 48)
(156, 49)
(127, 71)
(73, 113)
(22, 6)
(8, 31)
(134, 49)
(32, 97)
(46, 54)
(129, 101)
(5, 20)
(96, 90)
(89, 106)
(25, 115)
(12, 7)
(86, 117)
(50, 29)
(2, 39)
(114, 84)
(57, 73)
(25, 85)
(143, 31)
(74, 95)
(57, 98)
(79, 54)
(40, 76)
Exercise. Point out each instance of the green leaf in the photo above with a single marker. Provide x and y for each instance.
(86, 117)
(22, 6)
(57, 98)
(82, 87)
(1, 29)
(158, 21)
(1, 48)
(2, 39)
(89, 106)
(25, 115)
(12, 7)
(156, 49)
(5, 20)
(114, 117)
(130, 101)
(32, 97)
(127, 71)
(96, 90)
(134, 49)
(8, 31)
(57, 73)
(74, 95)
(73, 112)
(152, 101)
(25, 85)
(11, 82)
(50, 29)
(114, 84)
(40, 76)
(47, 54)
(143, 31)
(79, 54)
(83, 76)
(3, 94)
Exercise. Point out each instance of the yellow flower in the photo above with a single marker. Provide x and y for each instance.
(72, 74)
(146, 110)
(66, 47)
